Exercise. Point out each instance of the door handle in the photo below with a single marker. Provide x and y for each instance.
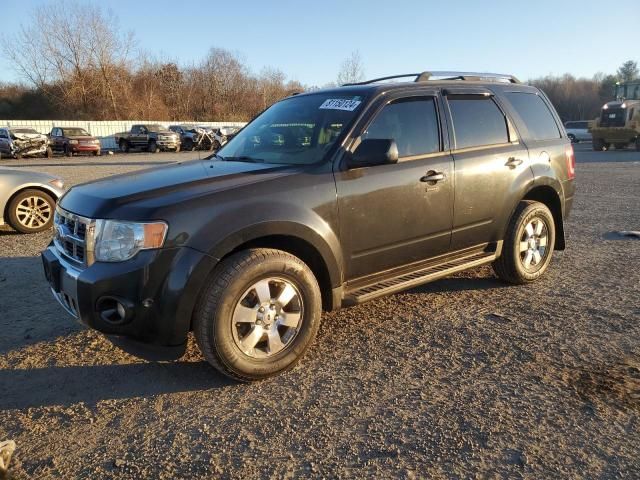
(432, 176)
(513, 162)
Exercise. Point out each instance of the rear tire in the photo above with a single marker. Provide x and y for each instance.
(235, 337)
(528, 245)
(31, 211)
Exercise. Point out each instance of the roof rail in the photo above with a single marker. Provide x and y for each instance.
(445, 75)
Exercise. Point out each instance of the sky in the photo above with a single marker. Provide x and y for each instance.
(308, 40)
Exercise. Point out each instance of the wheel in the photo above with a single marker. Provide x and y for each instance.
(572, 137)
(178, 148)
(620, 146)
(598, 144)
(67, 151)
(258, 314)
(31, 211)
(153, 147)
(97, 153)
(49, 153)
(124, 146)
(188, 145)
(528, 245)
(18, 156)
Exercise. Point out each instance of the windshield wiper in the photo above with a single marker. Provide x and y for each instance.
(244, 158)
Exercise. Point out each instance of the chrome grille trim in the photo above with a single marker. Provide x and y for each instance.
(73, 236)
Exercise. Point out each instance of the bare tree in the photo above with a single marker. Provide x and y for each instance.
(71, 51)
(351, 69)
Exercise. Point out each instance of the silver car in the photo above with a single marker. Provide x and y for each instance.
(578, 131)
(28, 199)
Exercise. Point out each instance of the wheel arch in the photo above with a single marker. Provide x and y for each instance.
(548, 196)
(22, 188)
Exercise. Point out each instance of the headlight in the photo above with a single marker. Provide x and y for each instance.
(95, 141)
(73, 142)
(117, 241)
(57, 183)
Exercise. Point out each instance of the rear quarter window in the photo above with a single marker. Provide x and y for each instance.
(536, 115)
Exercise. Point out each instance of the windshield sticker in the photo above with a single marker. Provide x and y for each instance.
(340, 104)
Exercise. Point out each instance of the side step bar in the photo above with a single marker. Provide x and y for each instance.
(417, 277)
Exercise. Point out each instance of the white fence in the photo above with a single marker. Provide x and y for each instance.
(103, 130)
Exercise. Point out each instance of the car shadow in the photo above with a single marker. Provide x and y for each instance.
(90, 384)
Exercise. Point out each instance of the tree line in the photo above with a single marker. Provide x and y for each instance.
(78, 64)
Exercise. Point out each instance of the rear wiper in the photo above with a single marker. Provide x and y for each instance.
(244, 158)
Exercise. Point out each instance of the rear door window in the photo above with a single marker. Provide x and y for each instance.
(412, 122)
(536, 115)
(477, 121)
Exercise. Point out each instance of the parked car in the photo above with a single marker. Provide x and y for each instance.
(578, 131)
(28, 199)
(193, 137)
(222, 135)
(354, 200)
(73, 140)
(18, 142)
(150, 137)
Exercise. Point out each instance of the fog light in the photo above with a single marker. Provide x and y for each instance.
(115, 311)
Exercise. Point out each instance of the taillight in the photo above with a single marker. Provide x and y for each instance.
(571, 161)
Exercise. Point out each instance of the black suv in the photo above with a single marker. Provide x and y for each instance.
(327, 199)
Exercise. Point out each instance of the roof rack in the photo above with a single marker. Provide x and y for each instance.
(440, 75)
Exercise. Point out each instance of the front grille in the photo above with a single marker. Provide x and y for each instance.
(613, 117)
(70, 235)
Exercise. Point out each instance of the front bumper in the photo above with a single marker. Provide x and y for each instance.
(157, 290)
(85, 148)
(168, 145)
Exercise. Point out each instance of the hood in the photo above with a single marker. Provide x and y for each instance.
(135, 194)
(26, 176)
(29, 136)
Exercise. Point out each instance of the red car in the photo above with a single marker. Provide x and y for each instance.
(70, 140)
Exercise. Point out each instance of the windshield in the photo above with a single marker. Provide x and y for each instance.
(295, 131)
(76, 132)
(155, 128)
(30, 131)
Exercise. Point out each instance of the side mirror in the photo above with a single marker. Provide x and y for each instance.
(374, 151)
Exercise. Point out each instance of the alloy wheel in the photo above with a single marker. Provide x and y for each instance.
(533, 244)
(33, 212)
(267, 317)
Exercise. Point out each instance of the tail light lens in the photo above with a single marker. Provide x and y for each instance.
(571, 162)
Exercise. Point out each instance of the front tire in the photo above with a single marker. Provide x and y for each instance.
(258, 314)
(528, 245)
(31, 211)
(598, 145)
(124, 146)
(153, 147)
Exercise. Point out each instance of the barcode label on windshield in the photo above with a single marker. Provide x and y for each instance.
(340, 104)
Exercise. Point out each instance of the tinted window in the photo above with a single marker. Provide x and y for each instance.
(477, 121)
(535, 114)
(3, 134)
(572, 125)
(411, 122)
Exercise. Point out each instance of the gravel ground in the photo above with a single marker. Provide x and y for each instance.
(462, 378)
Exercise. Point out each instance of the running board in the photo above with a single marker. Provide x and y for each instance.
(417, 277)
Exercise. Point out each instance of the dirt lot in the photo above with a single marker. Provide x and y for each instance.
(465, 377)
